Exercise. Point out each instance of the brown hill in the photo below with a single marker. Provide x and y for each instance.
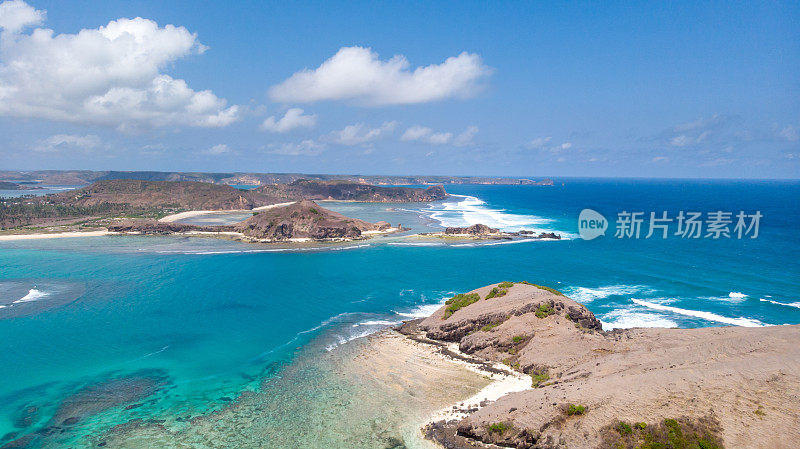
(351, 191)
(729, 387)
(181, 194)
(304, 219)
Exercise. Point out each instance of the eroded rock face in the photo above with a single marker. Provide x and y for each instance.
(476, 229)
(304, 219)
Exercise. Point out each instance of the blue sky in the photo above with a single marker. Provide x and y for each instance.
(666, 89)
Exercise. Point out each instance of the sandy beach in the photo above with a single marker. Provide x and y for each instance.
(55, 235)
(196, 213)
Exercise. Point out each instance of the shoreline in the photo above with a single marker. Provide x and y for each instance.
(503, 380)
(194, 213)
(578, 394)
(56, 235)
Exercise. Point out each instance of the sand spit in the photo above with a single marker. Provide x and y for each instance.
(55, 235)
(196, 213)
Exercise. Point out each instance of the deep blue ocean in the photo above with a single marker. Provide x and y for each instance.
(206, 319)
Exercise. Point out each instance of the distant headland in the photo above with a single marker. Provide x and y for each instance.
(83, 177)
(281, 212)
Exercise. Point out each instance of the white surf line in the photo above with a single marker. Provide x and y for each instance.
(744, 322)
(778, 303)
(194, 213)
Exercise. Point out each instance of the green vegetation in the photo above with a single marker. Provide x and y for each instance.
(551, 290)
(573, 409)
(544, 310)
(313, 211)
(539, 377)
(519, 338)
(459, 301)
(496, 293)
(760, 411)
(681, 433)
(498, 427)
(16, 212)
(500, 290)
(491, 326)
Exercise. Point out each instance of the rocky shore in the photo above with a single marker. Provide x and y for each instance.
(727, 387)
(481, 231)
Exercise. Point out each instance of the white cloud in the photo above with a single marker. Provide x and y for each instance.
(790, 133)
(660, 159)
(108, 76)
(68, 142)
(566, 145)
(538, 142)
(293, 119)
(217, 150)
(359, 133)
(307, 147)
(16, 15)
(465, 139)
(358, 74)
(423, 134)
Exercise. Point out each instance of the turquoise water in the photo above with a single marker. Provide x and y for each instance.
(198, 321)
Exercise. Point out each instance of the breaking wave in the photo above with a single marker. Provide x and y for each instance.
(33, 295)
(470, 210)
(708, 316)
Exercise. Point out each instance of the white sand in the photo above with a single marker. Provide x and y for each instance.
(194, 213)
(502, 384)
(55, 235)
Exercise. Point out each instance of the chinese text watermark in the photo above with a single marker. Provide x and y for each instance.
(685, 224)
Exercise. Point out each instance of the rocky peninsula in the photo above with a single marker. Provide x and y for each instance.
(728, 387)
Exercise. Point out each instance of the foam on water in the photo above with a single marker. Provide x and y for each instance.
(708, 316)
(778, 303)
(470, 210)
(421, 311)
(33, 295)
(585, 295)
(377, 323)
(629, 318)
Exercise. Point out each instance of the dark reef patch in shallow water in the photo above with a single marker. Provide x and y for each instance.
(95, 398)
(84, 402)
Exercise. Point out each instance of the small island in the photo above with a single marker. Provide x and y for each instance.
(482, 232)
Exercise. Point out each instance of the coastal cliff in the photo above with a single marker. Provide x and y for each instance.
(639, 388)
(351, 191)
